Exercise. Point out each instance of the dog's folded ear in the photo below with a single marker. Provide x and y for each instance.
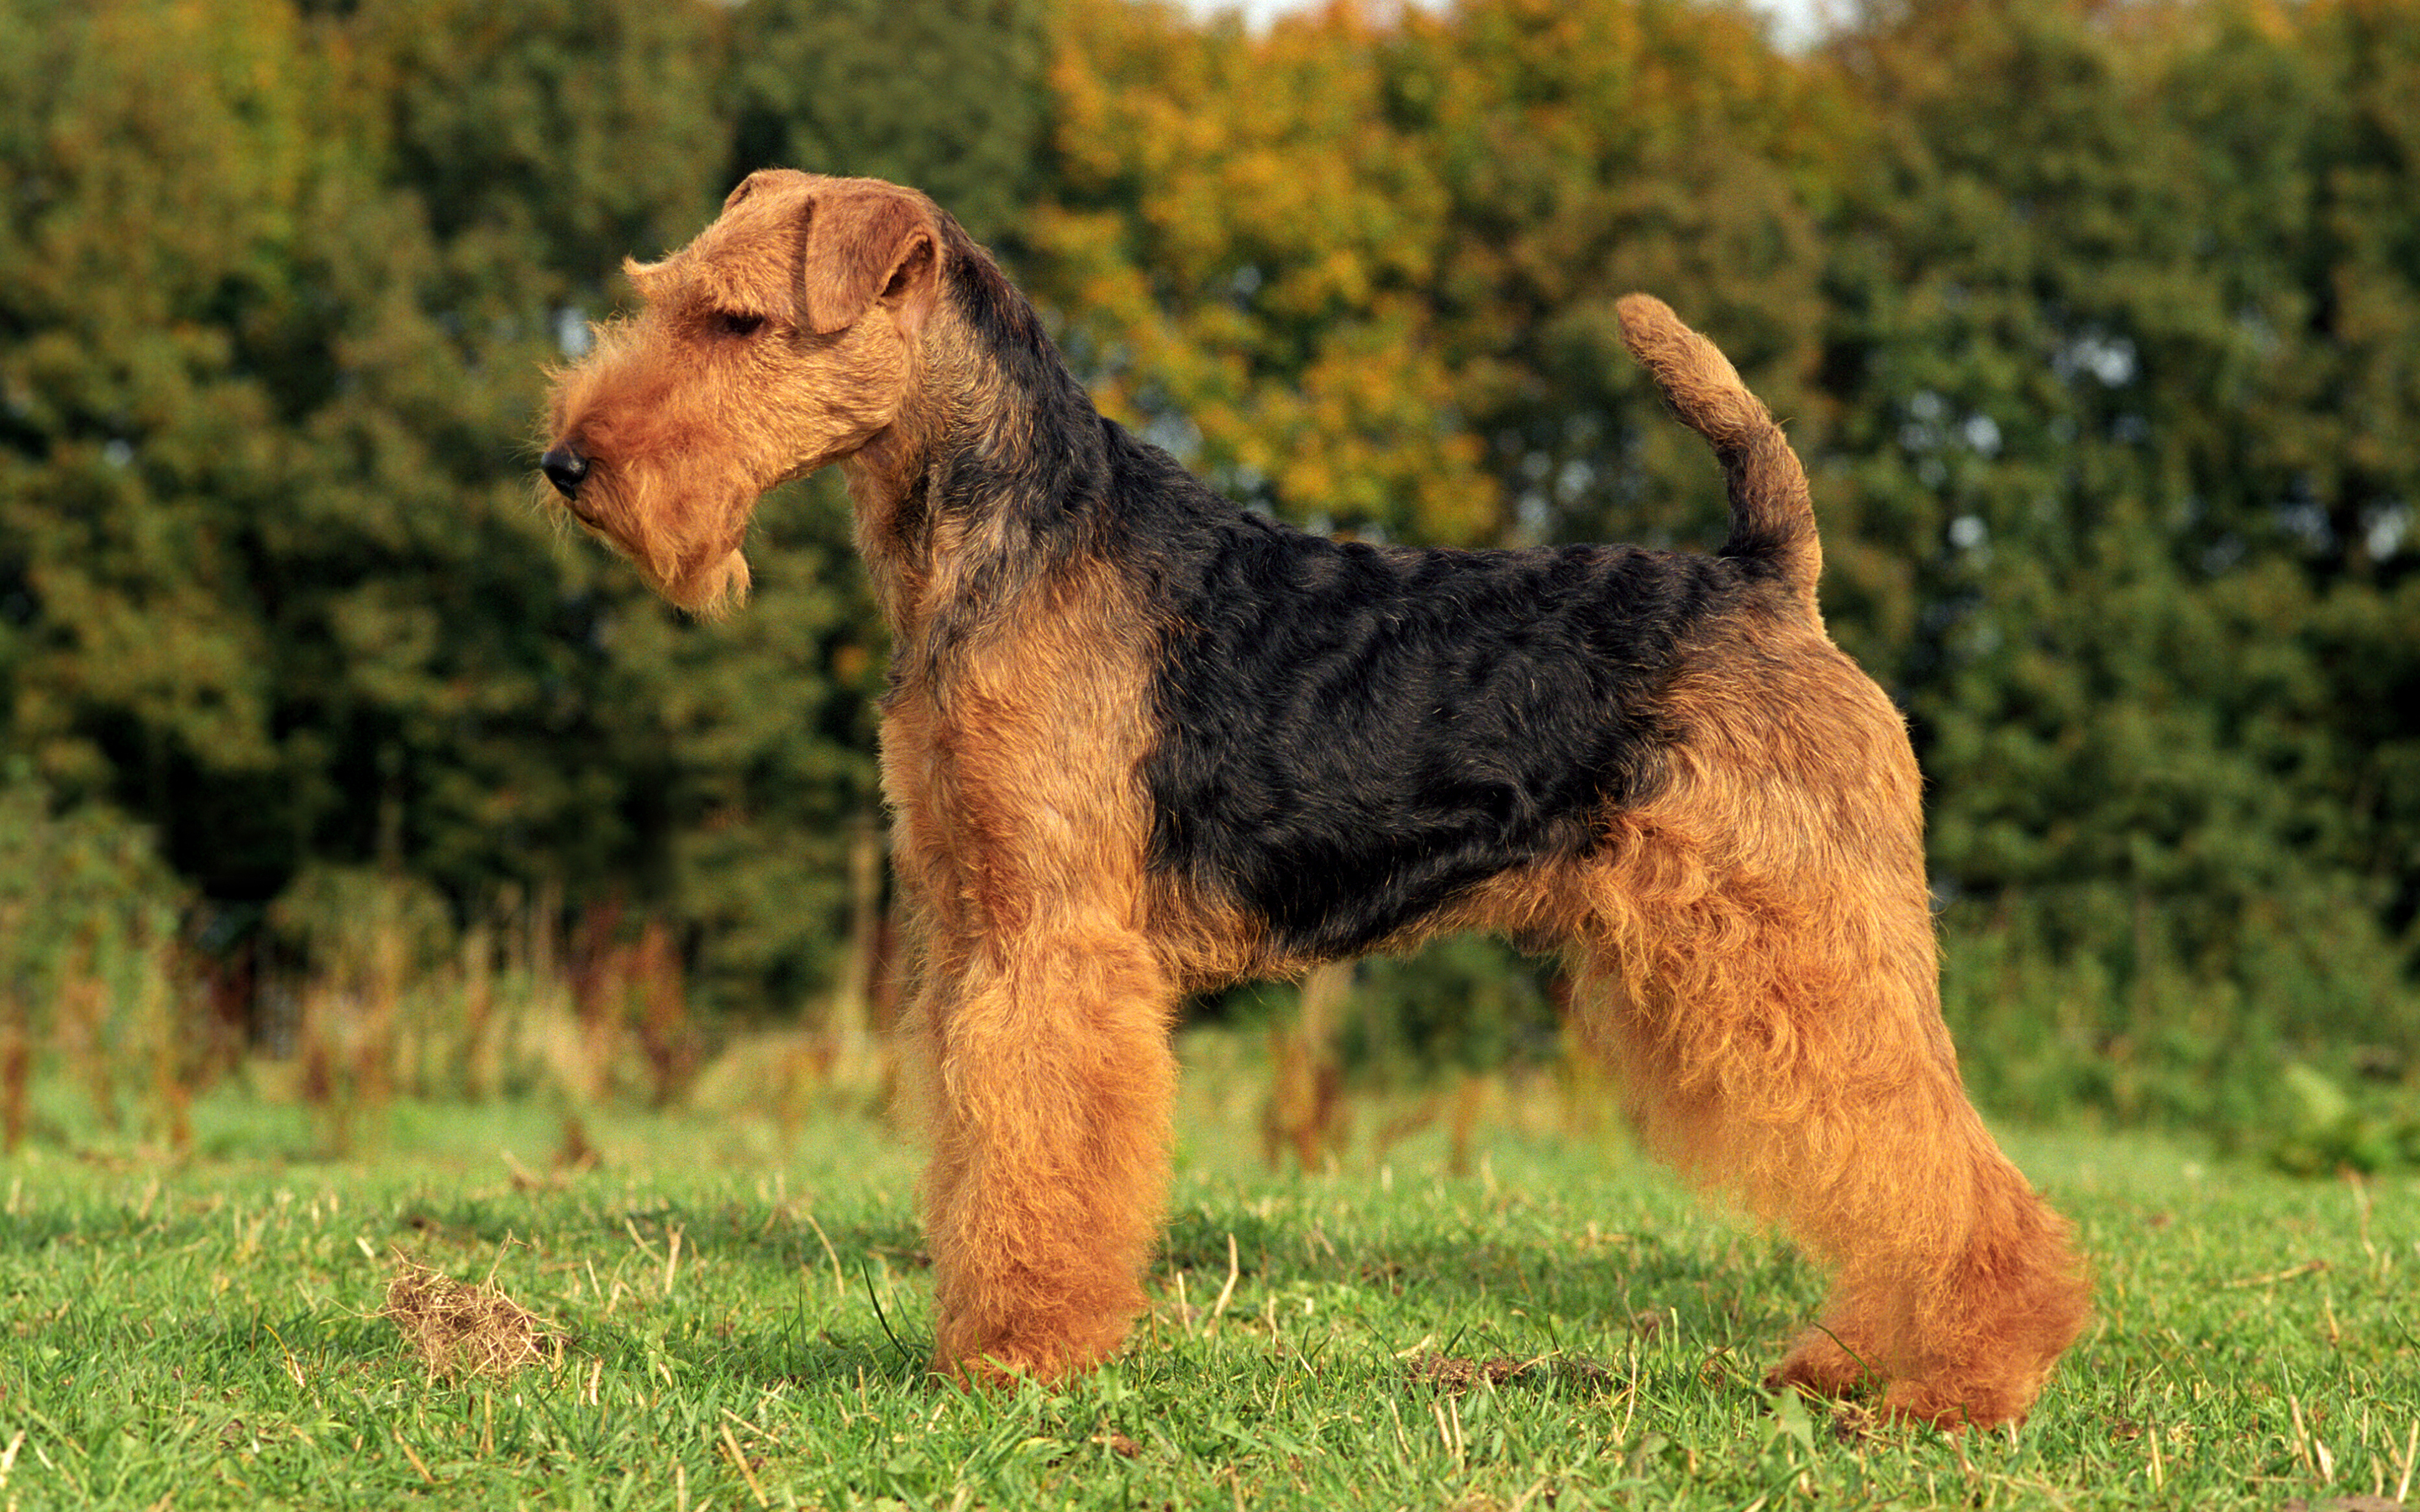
(864, 246)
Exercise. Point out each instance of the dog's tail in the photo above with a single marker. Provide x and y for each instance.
(1773, 519)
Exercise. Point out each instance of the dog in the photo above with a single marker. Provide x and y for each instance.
(1140, 741)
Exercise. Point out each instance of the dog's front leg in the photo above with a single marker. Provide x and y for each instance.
(1048, 1082)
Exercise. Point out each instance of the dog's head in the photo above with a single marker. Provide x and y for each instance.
(782, 339)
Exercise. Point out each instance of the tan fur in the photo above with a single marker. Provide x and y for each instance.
(1041, 1029)
(1753, 940)
(1760, 964)
(690, 426)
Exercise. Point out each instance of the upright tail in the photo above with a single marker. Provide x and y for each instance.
(1772, 516)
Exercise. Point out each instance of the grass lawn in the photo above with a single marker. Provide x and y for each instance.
(742, 1320)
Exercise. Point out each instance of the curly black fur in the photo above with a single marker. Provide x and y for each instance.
(1350, 734)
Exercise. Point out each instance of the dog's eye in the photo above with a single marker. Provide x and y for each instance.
(733, 324)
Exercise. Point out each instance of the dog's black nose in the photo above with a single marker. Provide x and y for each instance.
(564, 468)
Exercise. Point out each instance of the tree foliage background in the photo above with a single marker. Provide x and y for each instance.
(2098, 325)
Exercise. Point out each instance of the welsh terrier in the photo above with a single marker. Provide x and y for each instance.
(1141, 743)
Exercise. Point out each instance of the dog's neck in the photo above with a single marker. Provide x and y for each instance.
(994, 470)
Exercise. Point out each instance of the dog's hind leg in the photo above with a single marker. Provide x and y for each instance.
(1761, 965)
(1805, 1089)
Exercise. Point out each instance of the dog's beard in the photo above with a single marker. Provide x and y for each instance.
(684, 540)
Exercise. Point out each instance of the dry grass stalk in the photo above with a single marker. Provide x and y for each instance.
(16, 1081)
(84, 1028)
(1306, 1111)
(460, 1328)
(665, 1036)
(477, 1055)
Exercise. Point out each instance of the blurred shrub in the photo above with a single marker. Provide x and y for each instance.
(87, 930)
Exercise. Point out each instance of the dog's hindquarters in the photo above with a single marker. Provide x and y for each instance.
(1759, 965)
(1762, 963)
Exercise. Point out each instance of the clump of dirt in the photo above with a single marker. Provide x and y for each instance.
(1455, 1376)
(462, 1328)
(1458, 1374)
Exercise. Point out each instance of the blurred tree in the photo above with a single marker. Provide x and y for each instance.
(1243, 250)
(946, 94)
(169, 166)
(2088, 339)
(2096, 323)
(1585, 150)
(280, 283)
(1364, 275)
(554, 723)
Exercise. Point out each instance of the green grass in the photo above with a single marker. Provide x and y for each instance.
(207, 1336)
